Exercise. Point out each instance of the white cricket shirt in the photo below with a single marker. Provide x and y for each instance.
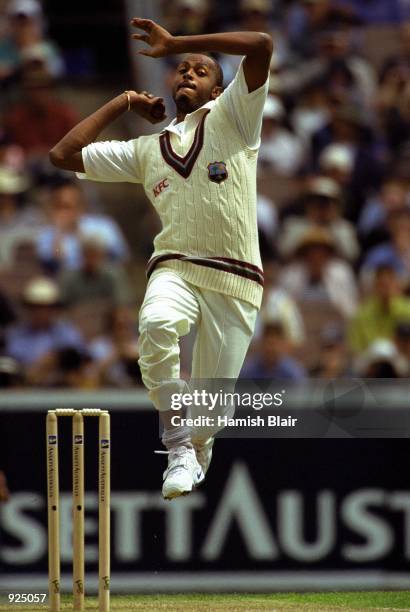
(201, 179)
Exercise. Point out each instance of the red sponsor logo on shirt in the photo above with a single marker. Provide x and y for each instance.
(159, 188)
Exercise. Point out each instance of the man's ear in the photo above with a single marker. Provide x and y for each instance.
(217, 90)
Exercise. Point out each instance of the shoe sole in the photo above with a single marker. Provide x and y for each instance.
(178, 494)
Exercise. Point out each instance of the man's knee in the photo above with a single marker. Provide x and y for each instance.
(158, 349)
(157, 327)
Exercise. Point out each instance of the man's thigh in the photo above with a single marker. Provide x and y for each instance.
(224, 334)
(169, 301)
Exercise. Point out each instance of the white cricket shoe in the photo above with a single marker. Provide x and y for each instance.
(183, 473)
(203, 451)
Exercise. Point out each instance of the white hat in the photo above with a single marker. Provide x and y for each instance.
(273, 108)
(337, 156)
(381, 350)
(41, 291)
(11, 182)
(325, 187)
(8, 365)
(30, 8)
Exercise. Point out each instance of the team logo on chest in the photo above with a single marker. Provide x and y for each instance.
(217, 172)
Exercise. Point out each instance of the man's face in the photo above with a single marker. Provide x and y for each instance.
(41, 317)
(316, 258)
(386, 284)
(66, 208)
(274, 346)
(195, 83)
(93, 257)
(321, 210)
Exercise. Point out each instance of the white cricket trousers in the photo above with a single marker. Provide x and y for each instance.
(224, 325)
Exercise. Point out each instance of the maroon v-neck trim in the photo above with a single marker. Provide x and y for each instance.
(183, 165)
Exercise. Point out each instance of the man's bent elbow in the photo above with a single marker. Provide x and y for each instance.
(266, 43)
(56, 158)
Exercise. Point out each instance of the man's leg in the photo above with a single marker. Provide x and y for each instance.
(169, 310)
(224, 334)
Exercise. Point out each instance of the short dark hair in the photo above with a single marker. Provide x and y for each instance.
(383, 268)
(219, 72)
(218, 69)
(274, 328)
(61, 182)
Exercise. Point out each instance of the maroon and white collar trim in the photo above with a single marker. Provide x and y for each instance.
(183, 165)
(233, 266)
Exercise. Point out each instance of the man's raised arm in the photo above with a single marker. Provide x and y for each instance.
(256, 46)
(66, 154)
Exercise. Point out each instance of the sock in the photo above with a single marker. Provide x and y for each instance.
(177, 436)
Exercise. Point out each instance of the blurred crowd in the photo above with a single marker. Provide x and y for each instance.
(333, 203)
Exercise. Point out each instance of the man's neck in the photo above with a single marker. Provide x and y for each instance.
(180, 116)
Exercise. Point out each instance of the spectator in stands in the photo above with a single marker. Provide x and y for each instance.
(393, 98)
(396, 252)
(393, 196)
(116, 352)
(280, 150)
(254, 16)
(319, 274)
(311, 111)
(380, 360)
(26, 41)
(59, 244)
(279, 306)
(189, 17)
(346, 76)
(40, 118)
(11, 155)
(73, 370)
(309, 17)
(34, 342)
(336, 162)
(267, 225)
(333, 360)
(379, 314)
(349, 127)
(323, 208)
(272, 359)
(96, 279)
(10, 373)
(402, 341)
(19, 222)
(402, 57)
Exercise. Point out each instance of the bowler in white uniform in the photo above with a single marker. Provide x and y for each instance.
(200, 175)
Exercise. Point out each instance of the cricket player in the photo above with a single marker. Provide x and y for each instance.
(200, 175)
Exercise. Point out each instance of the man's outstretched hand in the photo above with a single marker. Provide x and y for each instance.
(155, 36)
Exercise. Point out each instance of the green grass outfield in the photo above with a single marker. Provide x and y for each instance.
(306, 602)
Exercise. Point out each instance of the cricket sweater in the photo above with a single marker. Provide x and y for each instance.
(200, 175)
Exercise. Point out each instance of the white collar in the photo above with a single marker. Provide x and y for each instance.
(188, 118)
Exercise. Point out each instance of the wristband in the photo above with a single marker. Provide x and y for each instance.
(127, 93)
